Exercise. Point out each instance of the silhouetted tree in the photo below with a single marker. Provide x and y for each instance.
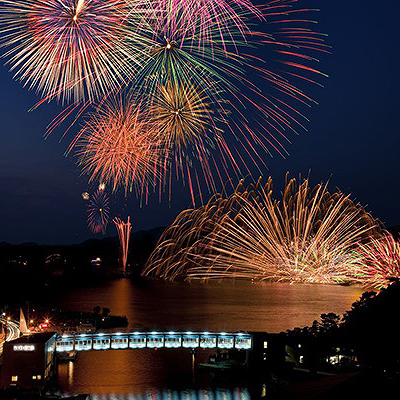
(105, 312)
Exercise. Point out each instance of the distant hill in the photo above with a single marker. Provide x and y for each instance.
(141, 244)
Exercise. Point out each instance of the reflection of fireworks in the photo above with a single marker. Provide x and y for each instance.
(379, 262)
(116, 146)
(73, 49)
(124, 232)
(98, 212)
(307, 236)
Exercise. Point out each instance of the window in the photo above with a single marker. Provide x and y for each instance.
(34, 377)
(265, 345)
(14, 378)
(39, 377)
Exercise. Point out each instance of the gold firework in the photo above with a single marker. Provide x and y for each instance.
(309, 235)
(180, 115)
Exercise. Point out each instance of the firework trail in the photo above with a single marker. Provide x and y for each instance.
(73, 50)
(98, 212)
(379, 262)
(117, 147)
(124, 232)
(309, 236)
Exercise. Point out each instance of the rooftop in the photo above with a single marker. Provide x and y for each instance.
(43, 337)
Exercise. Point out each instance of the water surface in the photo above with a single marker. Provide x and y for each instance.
(227, 306)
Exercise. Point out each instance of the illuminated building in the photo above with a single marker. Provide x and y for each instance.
(29, 361)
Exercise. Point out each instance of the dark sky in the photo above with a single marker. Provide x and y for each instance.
(352, 138)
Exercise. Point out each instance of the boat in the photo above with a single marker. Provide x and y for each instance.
(223, 362)
(67, 356)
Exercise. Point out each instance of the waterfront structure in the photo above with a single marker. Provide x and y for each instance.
(153, 340)
(29, 361)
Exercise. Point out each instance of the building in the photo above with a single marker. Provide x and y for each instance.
(29, 361)
(270, 352)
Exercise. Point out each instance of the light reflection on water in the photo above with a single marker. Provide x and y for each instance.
(184, 307)
(220, 394)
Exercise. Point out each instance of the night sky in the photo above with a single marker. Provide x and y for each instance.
(352, 139)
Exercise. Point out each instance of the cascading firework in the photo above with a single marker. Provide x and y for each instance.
(309, 236)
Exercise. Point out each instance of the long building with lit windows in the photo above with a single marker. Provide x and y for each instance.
(152, 340)
(29, 361)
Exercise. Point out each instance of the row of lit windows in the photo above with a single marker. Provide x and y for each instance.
(14, 378)
(203, 340)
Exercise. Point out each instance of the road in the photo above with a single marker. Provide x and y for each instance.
(12, 331)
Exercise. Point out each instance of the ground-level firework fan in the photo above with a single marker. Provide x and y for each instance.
(124, 233)
(309, 235)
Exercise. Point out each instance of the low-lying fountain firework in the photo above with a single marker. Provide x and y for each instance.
(309, 235)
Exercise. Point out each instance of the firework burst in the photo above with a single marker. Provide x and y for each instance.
(379, 262)
(180, 115)
(167, 54)
(117, 147)
(72, 49)
(307, 236)
(98, 212)
(243, 121)
(199, 20)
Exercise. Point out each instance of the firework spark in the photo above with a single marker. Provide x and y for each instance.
(98, 212)
(124, 232)
(180, 115)
(242, 119)
(200, 52)
(117, 147)
(307, 236)
(72, 49)
(379, 262)
(199, 20)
